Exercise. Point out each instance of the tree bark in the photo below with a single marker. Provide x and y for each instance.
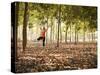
(16, 26)
(89, 37)
(92, 36)
(84, 34)
(59, 23)
(51, 30)
(47, 32)
(70, 33)
(66, 34)
(75, 34)
(25, 26)
(60, 34)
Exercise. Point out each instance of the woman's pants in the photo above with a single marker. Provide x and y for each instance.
(42, 38)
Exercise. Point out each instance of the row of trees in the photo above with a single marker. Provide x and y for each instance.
(62, 20)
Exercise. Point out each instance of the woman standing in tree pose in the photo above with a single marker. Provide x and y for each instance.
(42, 35)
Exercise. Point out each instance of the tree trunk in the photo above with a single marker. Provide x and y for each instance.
(92, 36)
(16, 26)
(25, 26)
(89, 37)
(75, 34)
(70, 33)
(60, 34)
(84, 34)
(59, 23)
(47, 32)
(66, 34)
(53, 33)
(51, 30)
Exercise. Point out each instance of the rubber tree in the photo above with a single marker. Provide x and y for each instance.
(16, 27)
(59, 22)
(25, 22)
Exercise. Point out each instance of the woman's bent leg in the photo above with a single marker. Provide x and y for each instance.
(39, 38)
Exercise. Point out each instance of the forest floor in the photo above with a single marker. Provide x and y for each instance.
(52, 58)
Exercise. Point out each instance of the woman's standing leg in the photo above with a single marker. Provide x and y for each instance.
(43, 41)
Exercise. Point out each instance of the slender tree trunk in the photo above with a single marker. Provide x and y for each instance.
(16, 27)
(56, 32)
(89, 37)
(51, 30)
(75, 34)
(59, 23)
(25, 26)
(66, 34)
(60, 34)
(47, 32)
(53, 34)
(84, 34)
(92, 36)
(70, 34)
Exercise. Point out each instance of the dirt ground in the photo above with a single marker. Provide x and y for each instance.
(52, 58)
